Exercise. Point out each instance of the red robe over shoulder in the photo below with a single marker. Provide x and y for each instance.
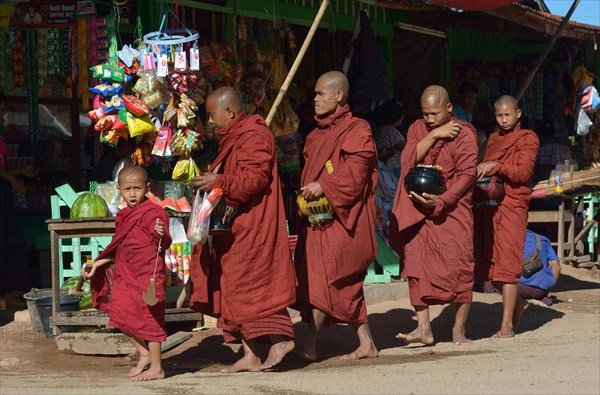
(134, 246)
(247, 280)
(332, 262)
(436, 245)
(500, 232)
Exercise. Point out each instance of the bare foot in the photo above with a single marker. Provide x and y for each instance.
(277, 352)
(518, 313)
(150, 374)
(248, 363)
(142, 364)
(361, 352)
(458, 336)
(424, 336)
(505, 332)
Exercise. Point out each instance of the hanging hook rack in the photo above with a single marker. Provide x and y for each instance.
(165, 36)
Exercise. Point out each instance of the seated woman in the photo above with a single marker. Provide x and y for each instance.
(538, 285)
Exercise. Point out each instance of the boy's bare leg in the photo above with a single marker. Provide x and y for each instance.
(366, 348)
(280, 347)
(155, 371)
(422, 333)
(308, 350)
(460, 322)
(142, 348)
(250, 362)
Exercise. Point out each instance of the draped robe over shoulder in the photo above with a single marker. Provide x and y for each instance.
(331, 262)
(247, 279)
(500, 232)
(135, 246)
(436, 245)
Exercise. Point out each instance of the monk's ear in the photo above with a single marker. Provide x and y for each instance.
(231, 112)
(450, 107)
(518, 113)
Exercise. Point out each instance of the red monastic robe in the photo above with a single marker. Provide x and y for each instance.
(436, 245)
(332, 262)
(247, 280)
(500, 232)
(135, 245)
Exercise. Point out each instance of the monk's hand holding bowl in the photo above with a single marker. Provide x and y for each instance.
(312, 191)
(484, 168)
(448, 131)
(204, 181)
(426, 199)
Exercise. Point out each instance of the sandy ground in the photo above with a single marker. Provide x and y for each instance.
(556, 351)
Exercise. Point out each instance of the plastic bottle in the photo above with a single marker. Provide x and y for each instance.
(558, 180)
(180, 276)
(186, 263)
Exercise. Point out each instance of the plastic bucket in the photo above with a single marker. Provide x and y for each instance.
(30, 297)
(44, 307)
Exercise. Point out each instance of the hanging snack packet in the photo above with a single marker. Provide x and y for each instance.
(162, 141)
(134, 105)
(139, 125)
(105, 123)
(106, 72)
(115, 103)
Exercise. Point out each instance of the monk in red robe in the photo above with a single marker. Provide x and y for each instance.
(247, 278)
(500, 231)
(332, 258)
(434, 233)
(137, 250)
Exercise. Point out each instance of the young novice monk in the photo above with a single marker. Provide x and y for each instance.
(140, 228)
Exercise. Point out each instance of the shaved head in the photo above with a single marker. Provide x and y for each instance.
(435, 94)
(338, 81)
(130, 172)
(227, 96)
(507, 100)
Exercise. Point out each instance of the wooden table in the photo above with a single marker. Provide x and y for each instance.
(88, 227)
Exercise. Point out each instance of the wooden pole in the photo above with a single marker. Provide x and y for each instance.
(297, 61)
(549, 47)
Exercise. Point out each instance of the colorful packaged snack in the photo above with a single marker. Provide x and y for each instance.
(135, 105)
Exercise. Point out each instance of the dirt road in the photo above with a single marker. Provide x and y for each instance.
(557, 351)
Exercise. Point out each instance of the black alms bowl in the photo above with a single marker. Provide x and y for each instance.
(489, 189)
(423, 179)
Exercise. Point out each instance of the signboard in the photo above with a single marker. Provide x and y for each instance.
(40, 13)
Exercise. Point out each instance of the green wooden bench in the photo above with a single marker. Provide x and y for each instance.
(385, 266)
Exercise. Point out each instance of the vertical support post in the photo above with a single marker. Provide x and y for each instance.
(54, 248)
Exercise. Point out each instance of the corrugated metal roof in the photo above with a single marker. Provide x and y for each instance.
(557, 18)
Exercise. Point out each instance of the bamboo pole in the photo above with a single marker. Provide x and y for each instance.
(549, 47)
(297, 61)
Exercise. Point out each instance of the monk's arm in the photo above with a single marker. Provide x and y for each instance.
(149, 222)
(466, 164)
(255, 160)
(346, 184)
(522, 171)
(424, 146)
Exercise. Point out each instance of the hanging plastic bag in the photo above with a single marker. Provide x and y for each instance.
(200, 218)
(583, 123)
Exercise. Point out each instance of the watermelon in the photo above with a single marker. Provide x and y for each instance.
(89, 205)
(86, 300)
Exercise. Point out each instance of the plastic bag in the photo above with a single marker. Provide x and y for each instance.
(583, 123)
(200, 218)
